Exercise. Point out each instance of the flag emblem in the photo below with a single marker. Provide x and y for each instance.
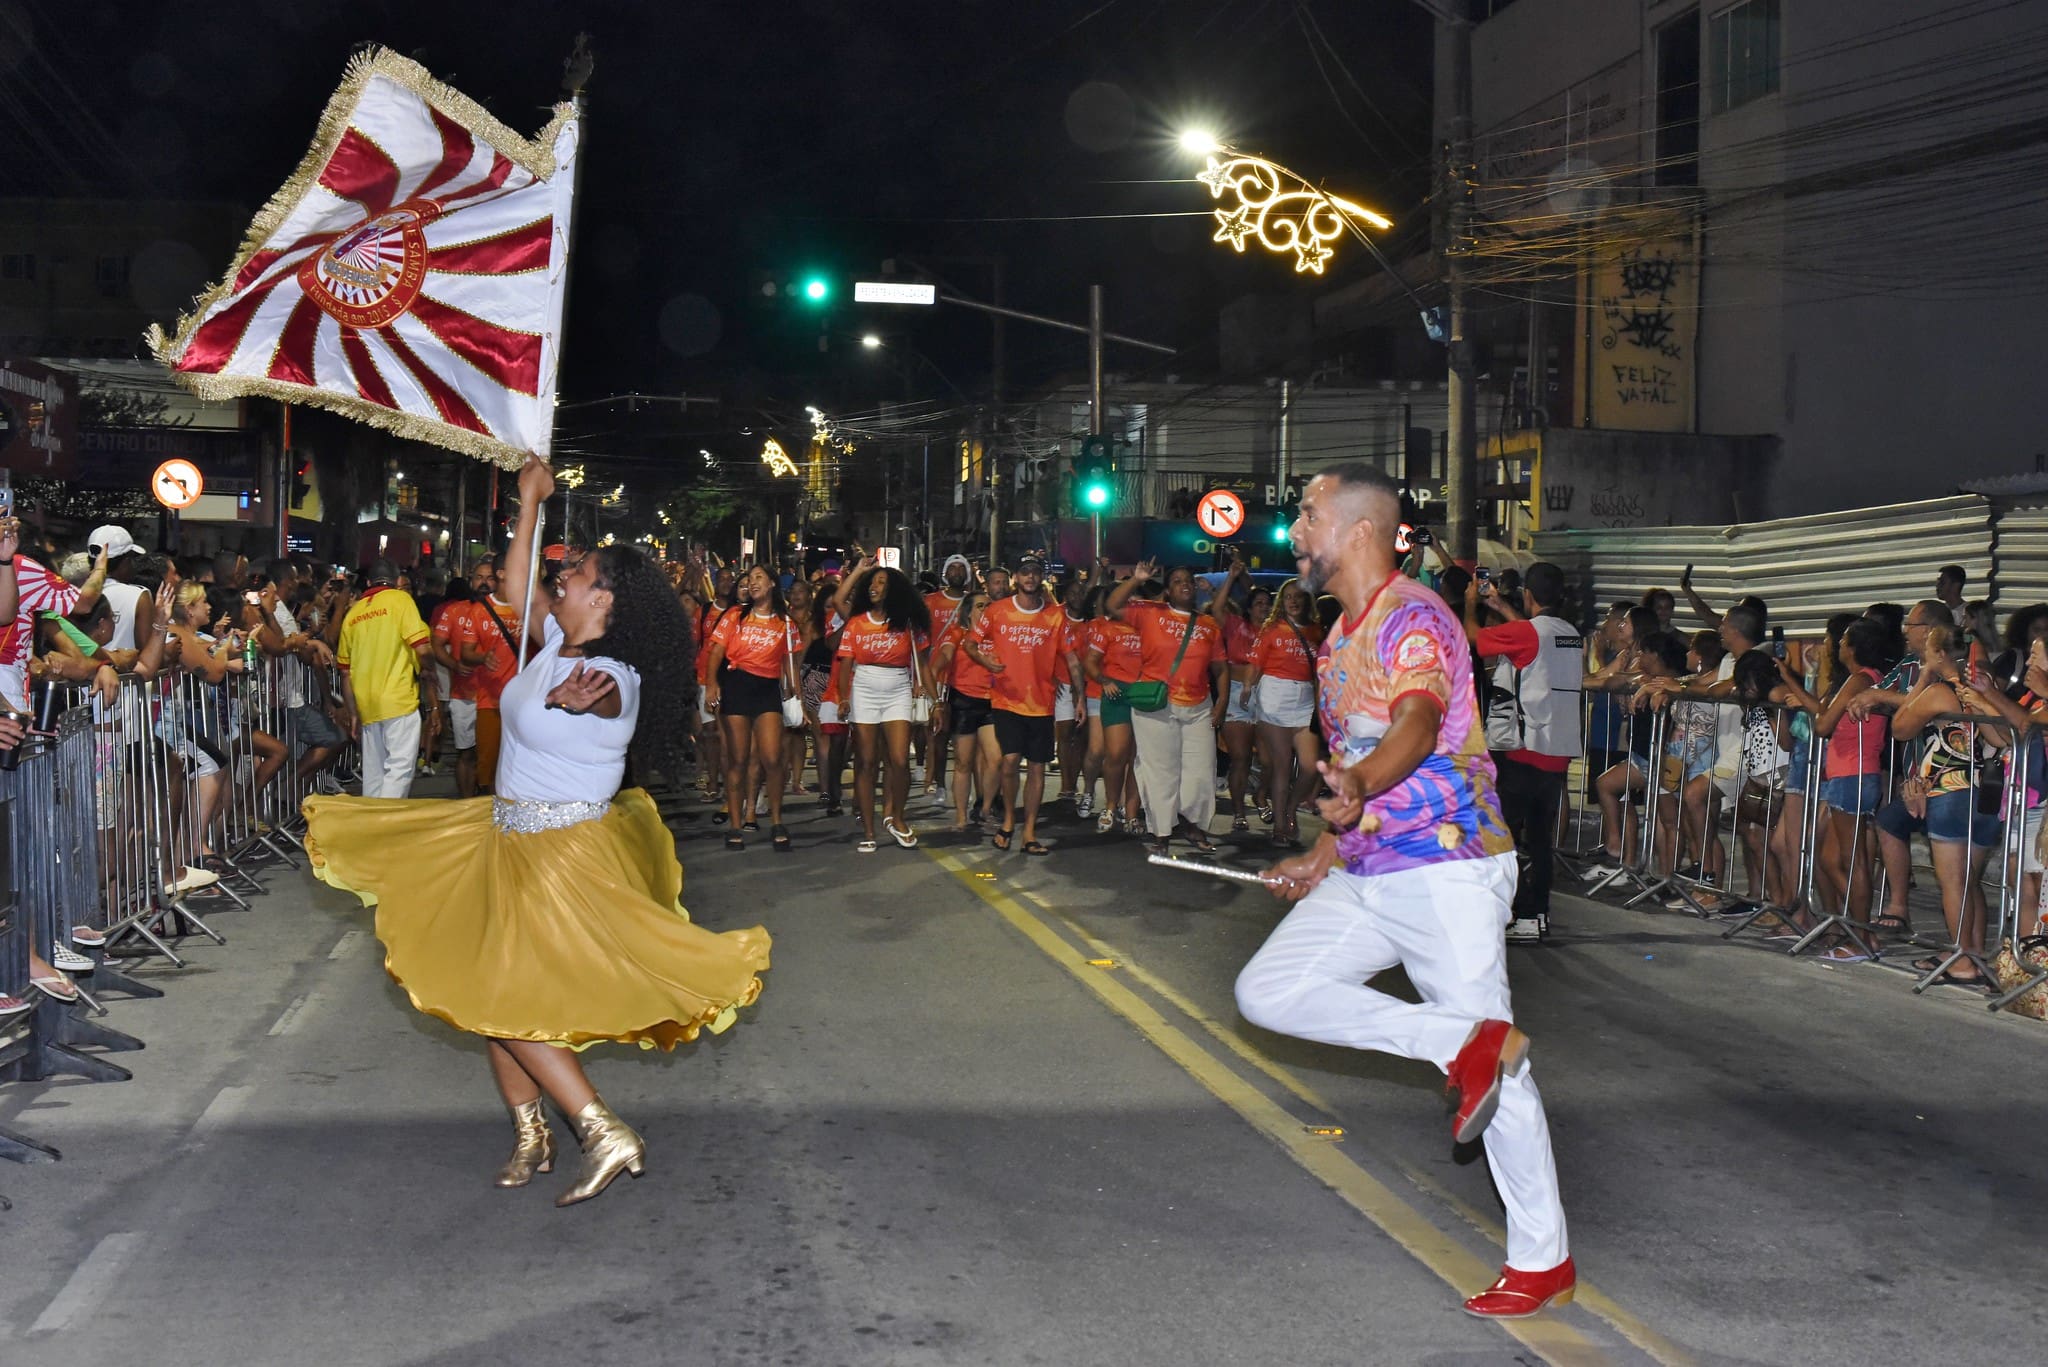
(410, 274)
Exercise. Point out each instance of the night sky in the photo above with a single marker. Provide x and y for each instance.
(734, 138)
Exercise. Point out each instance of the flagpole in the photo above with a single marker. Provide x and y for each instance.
(575, 73)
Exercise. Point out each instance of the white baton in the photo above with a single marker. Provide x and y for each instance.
(1213, 870)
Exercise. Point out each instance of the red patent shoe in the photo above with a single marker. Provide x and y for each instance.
(1518, 1295)
(1496, 1049)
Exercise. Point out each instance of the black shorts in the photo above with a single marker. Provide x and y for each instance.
(1031, 737)
(969, 714)
(741, 694)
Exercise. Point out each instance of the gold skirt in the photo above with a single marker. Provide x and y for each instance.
(565, 936)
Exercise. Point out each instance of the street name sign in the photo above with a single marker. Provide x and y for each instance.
(893, 292)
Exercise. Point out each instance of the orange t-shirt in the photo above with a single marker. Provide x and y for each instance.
(1116, 643)
(709, 624)
(756, 644)
(1240, 640)
(965, 674)
(1160, 629)
(943, 611)
(868, 640)
(1283, 653)
(1030, 647)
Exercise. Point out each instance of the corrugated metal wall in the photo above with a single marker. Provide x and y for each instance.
(2020, 555)
(1806, 568)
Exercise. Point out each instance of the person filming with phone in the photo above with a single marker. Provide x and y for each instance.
(1533, 723)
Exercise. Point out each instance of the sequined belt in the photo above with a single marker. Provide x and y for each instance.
(527, 817)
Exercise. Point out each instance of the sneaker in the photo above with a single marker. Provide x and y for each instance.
(1602, 865)
(70, 960)
(191, 879)
(1525, 930)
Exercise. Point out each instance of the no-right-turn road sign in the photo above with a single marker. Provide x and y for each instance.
(1220, 513)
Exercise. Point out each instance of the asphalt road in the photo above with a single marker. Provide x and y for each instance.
(994, 1109)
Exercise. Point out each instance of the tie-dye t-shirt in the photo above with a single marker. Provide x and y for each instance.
(1406, 642)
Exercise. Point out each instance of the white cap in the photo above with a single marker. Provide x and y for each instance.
(953, 560)
(115, 539)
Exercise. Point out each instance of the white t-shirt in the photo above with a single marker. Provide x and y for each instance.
(122, 598)
(294, 682)
(555, 756)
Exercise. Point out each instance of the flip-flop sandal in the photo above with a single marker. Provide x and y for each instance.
(1842, 954)
(866, 847)
(61, 988)
(1202, 843)
(1900, 926)
(1974, 984)
(719, 818)
(1002, 840)
(1240, 824)
(1032, 847)
(735, 842)
(903, 836)
(778, 836)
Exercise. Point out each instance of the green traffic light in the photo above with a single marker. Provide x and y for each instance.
(1095, 495)
(816, 289)
(1281, 532)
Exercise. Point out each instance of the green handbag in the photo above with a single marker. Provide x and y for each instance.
(1149, 695)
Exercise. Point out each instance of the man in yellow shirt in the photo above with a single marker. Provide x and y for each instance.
(383, 641)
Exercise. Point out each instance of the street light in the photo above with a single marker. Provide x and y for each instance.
(870, 341)
(1278, 208)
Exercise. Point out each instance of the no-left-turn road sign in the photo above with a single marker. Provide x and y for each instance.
(1220, 513)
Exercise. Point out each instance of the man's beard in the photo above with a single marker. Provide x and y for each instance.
(1318, 574)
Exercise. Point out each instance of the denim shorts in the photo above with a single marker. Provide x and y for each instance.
(1798, 772)
(1951, 817)
(1856, 793)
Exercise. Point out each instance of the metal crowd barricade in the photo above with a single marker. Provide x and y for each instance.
(50, 831)
(1675, 850)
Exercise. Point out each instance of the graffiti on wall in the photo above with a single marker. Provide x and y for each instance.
(1644, 302)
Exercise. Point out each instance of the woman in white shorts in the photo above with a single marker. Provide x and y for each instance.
(883, 644)
(1282, 681)
(1240, 628)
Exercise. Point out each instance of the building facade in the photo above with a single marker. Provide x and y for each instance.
(1807, 224)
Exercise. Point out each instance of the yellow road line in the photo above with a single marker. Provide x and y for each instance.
(1592, 1298)
(1553, 1339)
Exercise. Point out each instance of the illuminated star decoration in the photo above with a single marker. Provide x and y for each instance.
(1279, 209)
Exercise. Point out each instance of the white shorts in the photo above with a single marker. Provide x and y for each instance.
(462, 719)
(828, 713)
(1095, 707)
(1286, 702)
(1240, 707)
(1063, 704)
(880, 693)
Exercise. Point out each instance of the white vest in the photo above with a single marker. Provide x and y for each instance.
(1537, 708)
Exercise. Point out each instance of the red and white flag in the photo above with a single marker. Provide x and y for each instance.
(410, 274)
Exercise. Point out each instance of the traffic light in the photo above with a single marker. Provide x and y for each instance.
(808, 288)
(1094, 480)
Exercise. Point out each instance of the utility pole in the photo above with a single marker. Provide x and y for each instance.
(1095, 400)
(1462, 474)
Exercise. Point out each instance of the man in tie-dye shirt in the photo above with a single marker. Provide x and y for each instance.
(1416, 869)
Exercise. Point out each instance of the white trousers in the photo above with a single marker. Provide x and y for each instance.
(391, 753)
(1445, 924)
(1176, 765)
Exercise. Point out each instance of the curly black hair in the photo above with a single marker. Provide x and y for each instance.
(649, 630)
(900, 603)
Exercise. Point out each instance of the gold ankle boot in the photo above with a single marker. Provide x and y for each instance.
(609, 1148)
(535, 1149)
